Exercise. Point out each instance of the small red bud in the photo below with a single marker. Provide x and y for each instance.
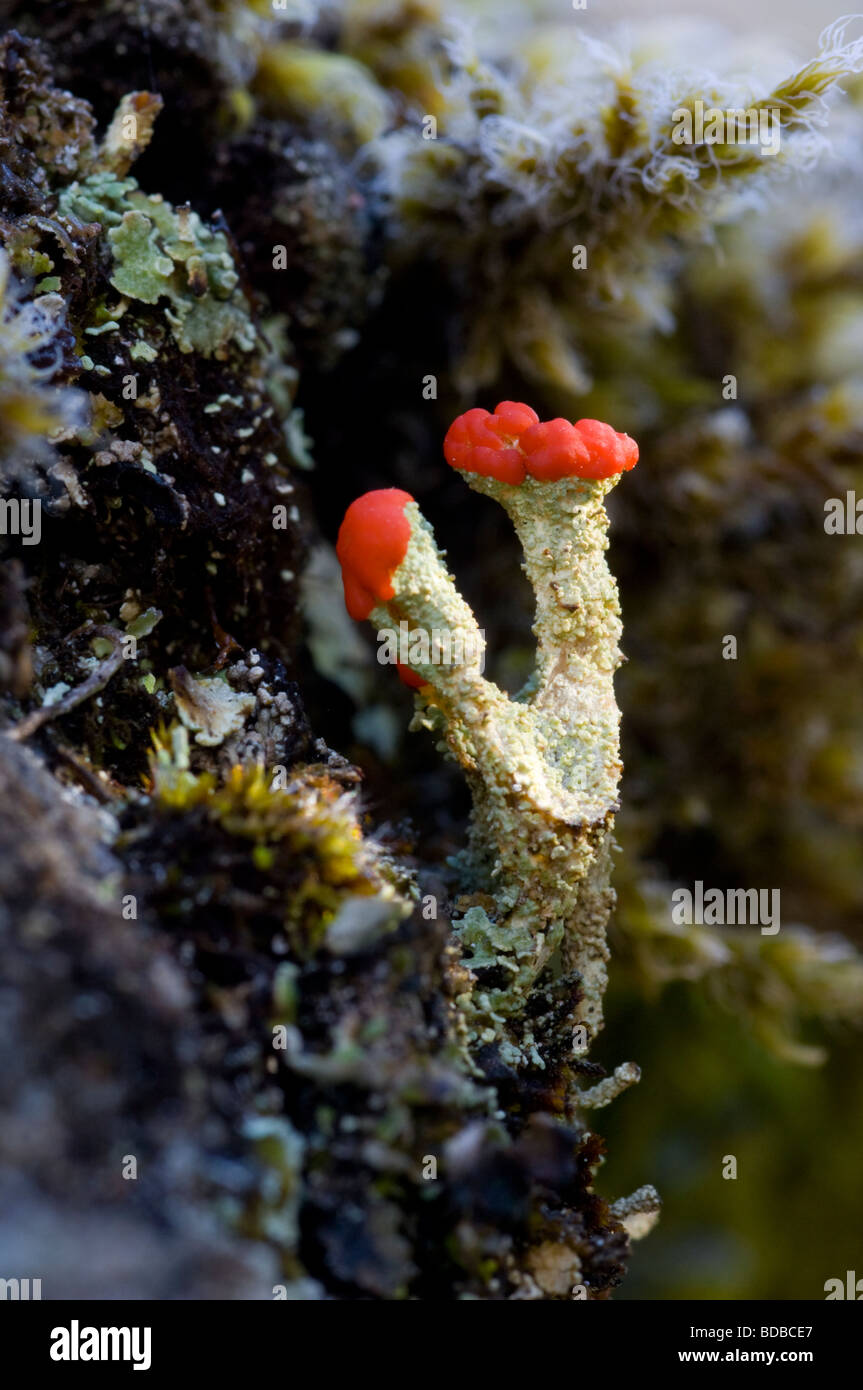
(478, 442)
(409, 676)
(554, 449)
(609, 451)
(373, 541)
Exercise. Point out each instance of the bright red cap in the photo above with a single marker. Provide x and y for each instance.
(478, 442)
(410, 677)
(513, 444)
(554, 449)
(609, 451)
(373, 541)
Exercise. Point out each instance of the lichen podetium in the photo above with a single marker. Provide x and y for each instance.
(543, 767)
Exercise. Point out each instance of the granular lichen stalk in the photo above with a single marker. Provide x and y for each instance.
(543, 767)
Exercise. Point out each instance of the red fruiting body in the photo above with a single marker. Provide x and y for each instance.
(555, 449)
(513, 444)
(510, 445)
(373, 541)
(409, 676)
(609, 451)
(514, 418)
(478, 442)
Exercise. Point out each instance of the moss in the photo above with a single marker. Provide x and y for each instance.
(453, 257)
(328, 87)
(370, 1067)
(163, 372)
(308, 820)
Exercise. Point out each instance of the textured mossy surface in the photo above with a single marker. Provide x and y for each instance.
(347, 1142)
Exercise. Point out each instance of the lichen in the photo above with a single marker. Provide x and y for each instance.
(160, 253)
(209, 707)
(424, 1013)
(32, 409)
(394, 1175)
(543, 768)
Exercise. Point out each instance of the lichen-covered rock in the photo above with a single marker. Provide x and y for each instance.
(392, 1172)
(107, 1113)
(180, 456)
(195, 53)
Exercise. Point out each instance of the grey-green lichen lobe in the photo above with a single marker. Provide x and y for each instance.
(165, 253)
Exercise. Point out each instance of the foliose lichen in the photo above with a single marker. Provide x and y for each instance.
(162, 253)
